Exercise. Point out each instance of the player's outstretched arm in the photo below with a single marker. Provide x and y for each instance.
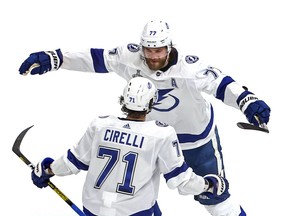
(42, 62)
(210, 185)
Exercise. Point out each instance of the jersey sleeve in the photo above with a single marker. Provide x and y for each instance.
(175, 170)
(223, 87)
(78, 61)
(77, 158)
(101, 60)
(92, 60)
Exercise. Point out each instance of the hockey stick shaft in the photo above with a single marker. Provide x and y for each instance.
(16, 150)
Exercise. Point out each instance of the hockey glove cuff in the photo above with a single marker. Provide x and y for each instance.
(40, 175)
(42, 62)
(216, 186)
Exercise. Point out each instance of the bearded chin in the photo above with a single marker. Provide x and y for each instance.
(156, 66)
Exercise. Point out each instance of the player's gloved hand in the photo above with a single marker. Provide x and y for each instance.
(40, 175)
(256, 111)
(217, 186)
(42, 62)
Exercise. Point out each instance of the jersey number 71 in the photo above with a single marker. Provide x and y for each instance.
(129, 159)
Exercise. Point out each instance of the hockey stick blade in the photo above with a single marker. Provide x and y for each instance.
(247, 126)
(17, 151)
(16, 148)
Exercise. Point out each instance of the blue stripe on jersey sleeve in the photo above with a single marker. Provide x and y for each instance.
(71, 157)
(98, 60)
(177, 171)
(222, 87)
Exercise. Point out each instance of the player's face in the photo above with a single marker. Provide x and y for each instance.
(156, 58)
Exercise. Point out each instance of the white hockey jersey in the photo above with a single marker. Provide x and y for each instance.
(180, 86)
(124, 160)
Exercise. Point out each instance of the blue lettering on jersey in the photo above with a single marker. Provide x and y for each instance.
(163, 94)
(124, 138)
(173, 83)
(214, 71)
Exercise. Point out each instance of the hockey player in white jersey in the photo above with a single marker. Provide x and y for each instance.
(124, 158)
(180, 80)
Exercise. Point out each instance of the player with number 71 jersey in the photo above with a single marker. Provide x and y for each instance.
(124, 159)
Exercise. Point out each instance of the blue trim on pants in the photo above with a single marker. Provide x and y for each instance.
(203, 161)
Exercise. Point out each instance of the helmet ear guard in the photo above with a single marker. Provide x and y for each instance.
(121, 100)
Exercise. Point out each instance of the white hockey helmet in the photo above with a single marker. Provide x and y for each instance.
(156, 33)
(138, 94)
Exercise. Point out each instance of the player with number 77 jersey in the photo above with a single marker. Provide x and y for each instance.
(125, 158)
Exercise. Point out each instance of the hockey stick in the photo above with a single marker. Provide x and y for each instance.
(16, 150)
(248, 126)
(262, 126)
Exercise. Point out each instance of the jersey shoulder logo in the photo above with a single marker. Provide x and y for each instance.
(133, 47)
(161, 124)
(190, 59)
